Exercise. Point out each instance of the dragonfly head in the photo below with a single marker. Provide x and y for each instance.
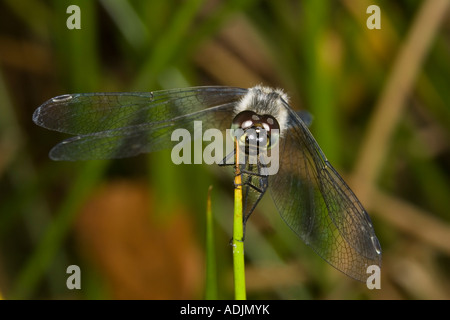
(255, 132)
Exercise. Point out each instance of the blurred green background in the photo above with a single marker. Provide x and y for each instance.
(136, 227)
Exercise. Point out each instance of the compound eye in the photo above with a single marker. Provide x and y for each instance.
(244, 120)
(270, 124)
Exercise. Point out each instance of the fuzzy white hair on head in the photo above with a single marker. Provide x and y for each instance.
(265, 100)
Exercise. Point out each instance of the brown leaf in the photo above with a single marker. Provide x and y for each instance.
(140, 256)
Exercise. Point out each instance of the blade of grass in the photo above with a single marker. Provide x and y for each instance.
(54, 237)
(391, 104)
(77, 50)
(27, 203)
(238, 235)
(320, 54)
(33, 21)
(128, 22)
(168, 44)
(211, 273)
(213, 22)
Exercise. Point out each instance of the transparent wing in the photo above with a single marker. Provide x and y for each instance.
(118, 125)
(319, 207)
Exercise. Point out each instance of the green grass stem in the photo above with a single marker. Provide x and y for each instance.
(238, 235)
(211, 273)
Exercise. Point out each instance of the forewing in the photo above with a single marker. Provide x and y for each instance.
(117, 125)
(319, 207)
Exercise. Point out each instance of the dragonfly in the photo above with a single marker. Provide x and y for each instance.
(309, 194)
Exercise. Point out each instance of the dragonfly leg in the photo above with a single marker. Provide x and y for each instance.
(260, 189)
(226, 160)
